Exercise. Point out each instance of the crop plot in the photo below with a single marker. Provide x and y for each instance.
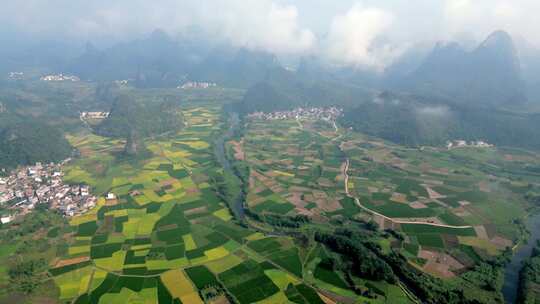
(442, 200)
(293, 170)
(167, 236)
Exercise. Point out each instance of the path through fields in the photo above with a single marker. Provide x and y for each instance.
(357, 201)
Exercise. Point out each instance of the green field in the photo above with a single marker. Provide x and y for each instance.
(171, 236)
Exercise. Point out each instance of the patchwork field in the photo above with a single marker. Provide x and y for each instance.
(453, 206)
(168, 237)
(294, 170)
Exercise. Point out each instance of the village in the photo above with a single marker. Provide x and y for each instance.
(27, 187)
(460, 143)
(16, 76)
(60, 77)
(328, 114)
(93, 115)
(196, 85)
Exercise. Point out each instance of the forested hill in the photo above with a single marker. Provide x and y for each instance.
(414, 120)
(146, 119)
(286, 92)
(24, 142)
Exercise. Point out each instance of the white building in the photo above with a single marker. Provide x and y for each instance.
(6, 219)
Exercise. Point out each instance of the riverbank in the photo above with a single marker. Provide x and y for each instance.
(236, 204)
(522, 253)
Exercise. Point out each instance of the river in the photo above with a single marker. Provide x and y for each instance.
(511, 274)
(219, 150)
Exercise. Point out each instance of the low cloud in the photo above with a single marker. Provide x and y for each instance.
(262, 25)
(356, 38)
(433, 111)
(361, 33)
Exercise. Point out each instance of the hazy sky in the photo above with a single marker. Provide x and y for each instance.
(368, 32)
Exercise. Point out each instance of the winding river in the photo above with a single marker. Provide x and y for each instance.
(511, 275)
(219, 150)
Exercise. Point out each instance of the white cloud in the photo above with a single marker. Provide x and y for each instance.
(484, 16)
(262, 25)
(506, 10)
(370, 34)
(256, 24)
(353, 38)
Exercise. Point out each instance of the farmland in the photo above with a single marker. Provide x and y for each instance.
(453, 208)
(327, 211)
(167, 236)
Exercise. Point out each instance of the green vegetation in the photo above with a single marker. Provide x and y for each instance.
(174, 234)
(417, 120)
(27, 142)
(529, 278)
(146, 119)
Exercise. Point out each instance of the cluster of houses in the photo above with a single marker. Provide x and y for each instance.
(122, 82)
(328, 114)
(196, 85)
(94, 115)
(460, 143)
(27, 187)
(16, 75)
(60, 77)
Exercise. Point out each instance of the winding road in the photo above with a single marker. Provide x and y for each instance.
(384, 216)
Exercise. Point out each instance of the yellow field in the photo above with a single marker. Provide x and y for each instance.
(223, 214)
(78, 249)
(197, 144)
(180, 287)
(189, 242)
(278, 298)
(164, 264)
(480, 243)
(280, 278)
(216, 253)
(74, 282)
(284, 173)
(97, 279)
(114, 263)
(117, 213)
(224, 264)
(255, 236)
(146, 224)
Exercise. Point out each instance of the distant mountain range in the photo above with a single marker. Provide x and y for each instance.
(499, 71)
(490, 74)
(484, 93)
(160, 61)
(452, 93)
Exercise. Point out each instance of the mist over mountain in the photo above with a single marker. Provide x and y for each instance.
(235, 67)
(488, 75)
(416, 120)
(494, 73)
(156, 60)
(529, 56)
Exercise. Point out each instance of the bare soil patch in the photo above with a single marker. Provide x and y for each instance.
(72, 261)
